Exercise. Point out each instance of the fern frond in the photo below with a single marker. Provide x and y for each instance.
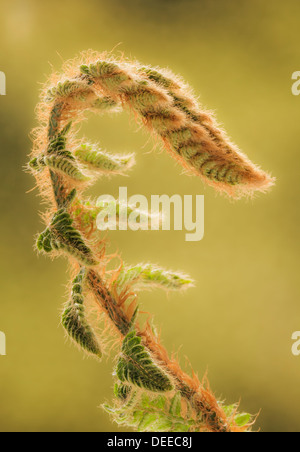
(63, 164)
(144, 275)
(165, 105)
(103, 161)
(146, 413)
(75, 322)
(58, 158)
(218, 170)
(136, 367)
(61, 235)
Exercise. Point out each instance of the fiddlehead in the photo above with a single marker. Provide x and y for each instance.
(63, 165)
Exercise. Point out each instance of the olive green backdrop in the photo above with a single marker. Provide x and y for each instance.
(237, 322)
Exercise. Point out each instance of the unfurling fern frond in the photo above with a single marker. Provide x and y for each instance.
(146, 413)
(74, 319)
(230, 167)
(60, 163)
(136, 367)
(153, 392)
(58, 158)
(190, 133)
(104, 161)
(61, 235)
(70, 239)
(147, 275)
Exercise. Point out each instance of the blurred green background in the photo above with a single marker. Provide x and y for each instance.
(237, 322)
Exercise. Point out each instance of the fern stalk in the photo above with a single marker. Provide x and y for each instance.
(152, 392)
